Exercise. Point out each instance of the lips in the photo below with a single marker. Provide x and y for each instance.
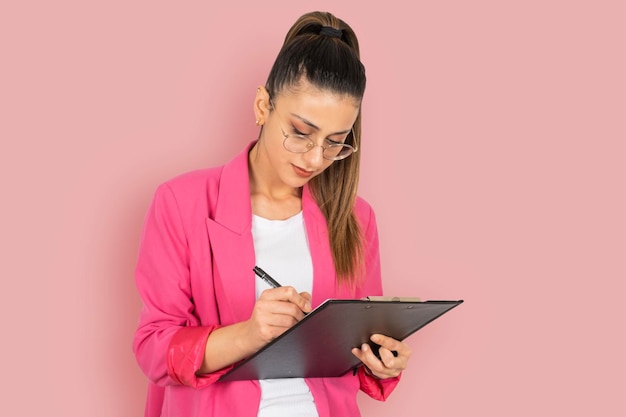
(302, 172)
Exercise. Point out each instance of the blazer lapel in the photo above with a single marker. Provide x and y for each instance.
(230, 239)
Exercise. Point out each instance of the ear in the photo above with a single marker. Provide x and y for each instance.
(261, 105)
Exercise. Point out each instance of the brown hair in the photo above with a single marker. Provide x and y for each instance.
(329, 62)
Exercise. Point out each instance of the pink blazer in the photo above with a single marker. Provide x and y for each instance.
(194, 274)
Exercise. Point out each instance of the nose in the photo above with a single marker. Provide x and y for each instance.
(315, 157)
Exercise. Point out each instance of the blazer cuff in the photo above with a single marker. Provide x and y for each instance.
(377, 388)
(185, 355)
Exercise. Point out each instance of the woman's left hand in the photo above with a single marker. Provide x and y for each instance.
(389, 365)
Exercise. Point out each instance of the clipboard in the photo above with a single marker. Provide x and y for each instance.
(320, 344)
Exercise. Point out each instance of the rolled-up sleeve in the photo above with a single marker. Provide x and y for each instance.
(185, 356)
(378, 389)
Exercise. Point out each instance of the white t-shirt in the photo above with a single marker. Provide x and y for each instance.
(281, 249)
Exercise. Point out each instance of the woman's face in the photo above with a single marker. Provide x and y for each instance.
(323, 117)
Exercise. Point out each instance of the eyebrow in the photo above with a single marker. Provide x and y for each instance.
(312, 125)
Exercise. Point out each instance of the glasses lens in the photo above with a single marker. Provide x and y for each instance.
(297, 144)
(302, 144)
(337, 152)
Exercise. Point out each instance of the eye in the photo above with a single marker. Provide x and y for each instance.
(329, 141)
(298, 133)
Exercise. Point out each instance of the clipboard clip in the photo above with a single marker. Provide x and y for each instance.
(391, 299)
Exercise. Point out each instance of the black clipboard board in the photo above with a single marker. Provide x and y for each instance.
(320, 344)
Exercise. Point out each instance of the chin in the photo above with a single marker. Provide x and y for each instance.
(298, 182)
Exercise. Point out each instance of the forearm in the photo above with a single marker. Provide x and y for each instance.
(226, 346)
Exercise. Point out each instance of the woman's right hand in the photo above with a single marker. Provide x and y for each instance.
(275, 311)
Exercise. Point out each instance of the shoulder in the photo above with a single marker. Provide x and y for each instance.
(190, 189)
(364, 212)
(209, 179)
(190, 184)
(191, 181)
(362, 205)
(186, 200)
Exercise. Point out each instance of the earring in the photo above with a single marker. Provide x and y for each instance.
(257, 122)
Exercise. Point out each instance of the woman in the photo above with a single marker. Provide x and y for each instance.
(288, 204)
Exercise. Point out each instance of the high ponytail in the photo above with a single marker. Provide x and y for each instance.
(324, 51)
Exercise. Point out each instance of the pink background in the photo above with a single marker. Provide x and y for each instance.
(494, 156)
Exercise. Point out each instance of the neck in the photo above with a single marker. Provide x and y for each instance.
(269, 197)
(263, 179)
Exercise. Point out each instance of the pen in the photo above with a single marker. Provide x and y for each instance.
(265, 277)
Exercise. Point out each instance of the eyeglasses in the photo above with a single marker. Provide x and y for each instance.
(299, 143)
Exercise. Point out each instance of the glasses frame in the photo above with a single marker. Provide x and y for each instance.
(312, 144)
